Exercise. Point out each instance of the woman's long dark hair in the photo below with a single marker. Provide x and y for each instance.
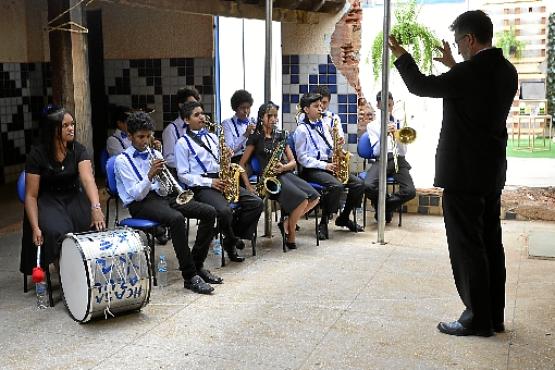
(50, 129)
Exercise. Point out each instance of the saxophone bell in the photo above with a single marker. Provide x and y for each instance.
(405, 135)
(272, 185)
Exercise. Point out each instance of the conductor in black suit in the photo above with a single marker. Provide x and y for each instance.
(471, 164)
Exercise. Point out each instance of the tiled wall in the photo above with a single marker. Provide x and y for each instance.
(24, 91)
(301, 74)
(154, 83)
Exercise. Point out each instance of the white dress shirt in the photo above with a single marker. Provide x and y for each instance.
(170, 135)
(130, 186)
(234, 134)
(312, 150)
(327, 117)
(188, 154)
(374, 130)
(117, 142)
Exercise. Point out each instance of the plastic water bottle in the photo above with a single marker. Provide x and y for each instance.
(217, 247)
(162, 272)
(42, 300)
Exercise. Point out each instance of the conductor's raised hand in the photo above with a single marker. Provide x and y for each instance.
(447, 56)
(395, 47)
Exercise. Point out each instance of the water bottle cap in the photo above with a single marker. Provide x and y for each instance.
(162, 257)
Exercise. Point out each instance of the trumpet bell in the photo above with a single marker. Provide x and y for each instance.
(184, 197)
(405, 135)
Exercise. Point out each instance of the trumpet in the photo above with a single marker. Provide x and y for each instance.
(169, 183)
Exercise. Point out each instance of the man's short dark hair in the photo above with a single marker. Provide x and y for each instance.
(323, 90)
(120, 113)
(187, 108)
(186, 92)
(239, 97)
(139, 121)
(309, 98)
(379, 96)
(474, 22)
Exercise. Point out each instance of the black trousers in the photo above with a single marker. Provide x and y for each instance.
(477, 257)
(406, 190)
(332, 195)
(167, 212)
(246, 218)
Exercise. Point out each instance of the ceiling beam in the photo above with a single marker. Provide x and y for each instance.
(222, 8)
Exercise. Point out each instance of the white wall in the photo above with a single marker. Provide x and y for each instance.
(245, 69)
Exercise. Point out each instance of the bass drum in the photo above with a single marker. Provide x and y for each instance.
(104, 273)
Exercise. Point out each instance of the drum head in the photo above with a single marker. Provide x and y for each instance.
(74, 279)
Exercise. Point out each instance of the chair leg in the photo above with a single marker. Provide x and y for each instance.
(25, 287)
(49, 287)
(281, 219)
(253, 242)
(150, 241)
(364, 211)
(400, 215)
(316, 221)
(355, 218)
(223, 249)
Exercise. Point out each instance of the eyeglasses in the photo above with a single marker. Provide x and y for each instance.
(456, 43)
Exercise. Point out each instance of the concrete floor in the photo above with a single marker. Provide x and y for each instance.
(347, 304)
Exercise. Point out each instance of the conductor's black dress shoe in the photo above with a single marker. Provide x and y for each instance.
(209, 277)
(456, 328)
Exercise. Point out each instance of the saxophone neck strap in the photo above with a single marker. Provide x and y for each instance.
(200, 143)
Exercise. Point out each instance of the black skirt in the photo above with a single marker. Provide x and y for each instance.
(294, 191)
(59, 214)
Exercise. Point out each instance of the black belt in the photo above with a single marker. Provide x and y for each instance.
(211, 175)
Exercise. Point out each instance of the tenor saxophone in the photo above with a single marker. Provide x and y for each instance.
(229, 172)
(341, 158)
(269, 183)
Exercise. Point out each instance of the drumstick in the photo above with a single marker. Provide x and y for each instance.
(38, 272)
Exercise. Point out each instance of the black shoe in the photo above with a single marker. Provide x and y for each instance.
(240, 244)
(456, 328)
(234, 257)
(323, 231)
(161, 235)
(198, 285)
(209, 277)
(388, 217)
(343, 221)
(291, 245)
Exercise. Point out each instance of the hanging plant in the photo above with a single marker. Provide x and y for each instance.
(550, 86)
(507, 41)
(415, 37)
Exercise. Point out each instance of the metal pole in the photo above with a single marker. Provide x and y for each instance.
(385, 119)
(267, 96)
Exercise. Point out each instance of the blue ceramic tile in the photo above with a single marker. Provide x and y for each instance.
(332, 79)
(352, 98)
(344, 125)
(294, 59)
(285, 69)
(343, 117)
(294, 79)
(286, 108)
(285, 59)
(313, 79)
(285, 98)
(352, 138)
(352, 118)
(322, 69)
(331, 69)
(323, 79)
(333, 89)
(352, 108)
(294, 98)
(342, 109)
(342, 98)
(303, 89)
(294, 69)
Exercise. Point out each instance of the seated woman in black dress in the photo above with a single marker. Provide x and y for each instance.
(60, 192)
(296, 197)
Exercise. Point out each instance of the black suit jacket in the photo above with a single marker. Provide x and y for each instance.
(477, 96)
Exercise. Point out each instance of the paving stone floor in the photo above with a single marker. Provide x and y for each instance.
(348, 304)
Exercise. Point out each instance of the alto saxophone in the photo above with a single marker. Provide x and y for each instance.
(170, 184)
(341, 158)
(229, 172)
(269, 183)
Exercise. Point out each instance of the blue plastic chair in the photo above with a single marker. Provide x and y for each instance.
(146, 226)
(103, 158)
(21, 196)
(365, 151)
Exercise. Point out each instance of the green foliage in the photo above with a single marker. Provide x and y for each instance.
(416, 38)
(507, 41)
(550, 87)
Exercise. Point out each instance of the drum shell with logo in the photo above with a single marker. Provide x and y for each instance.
(104, 272)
